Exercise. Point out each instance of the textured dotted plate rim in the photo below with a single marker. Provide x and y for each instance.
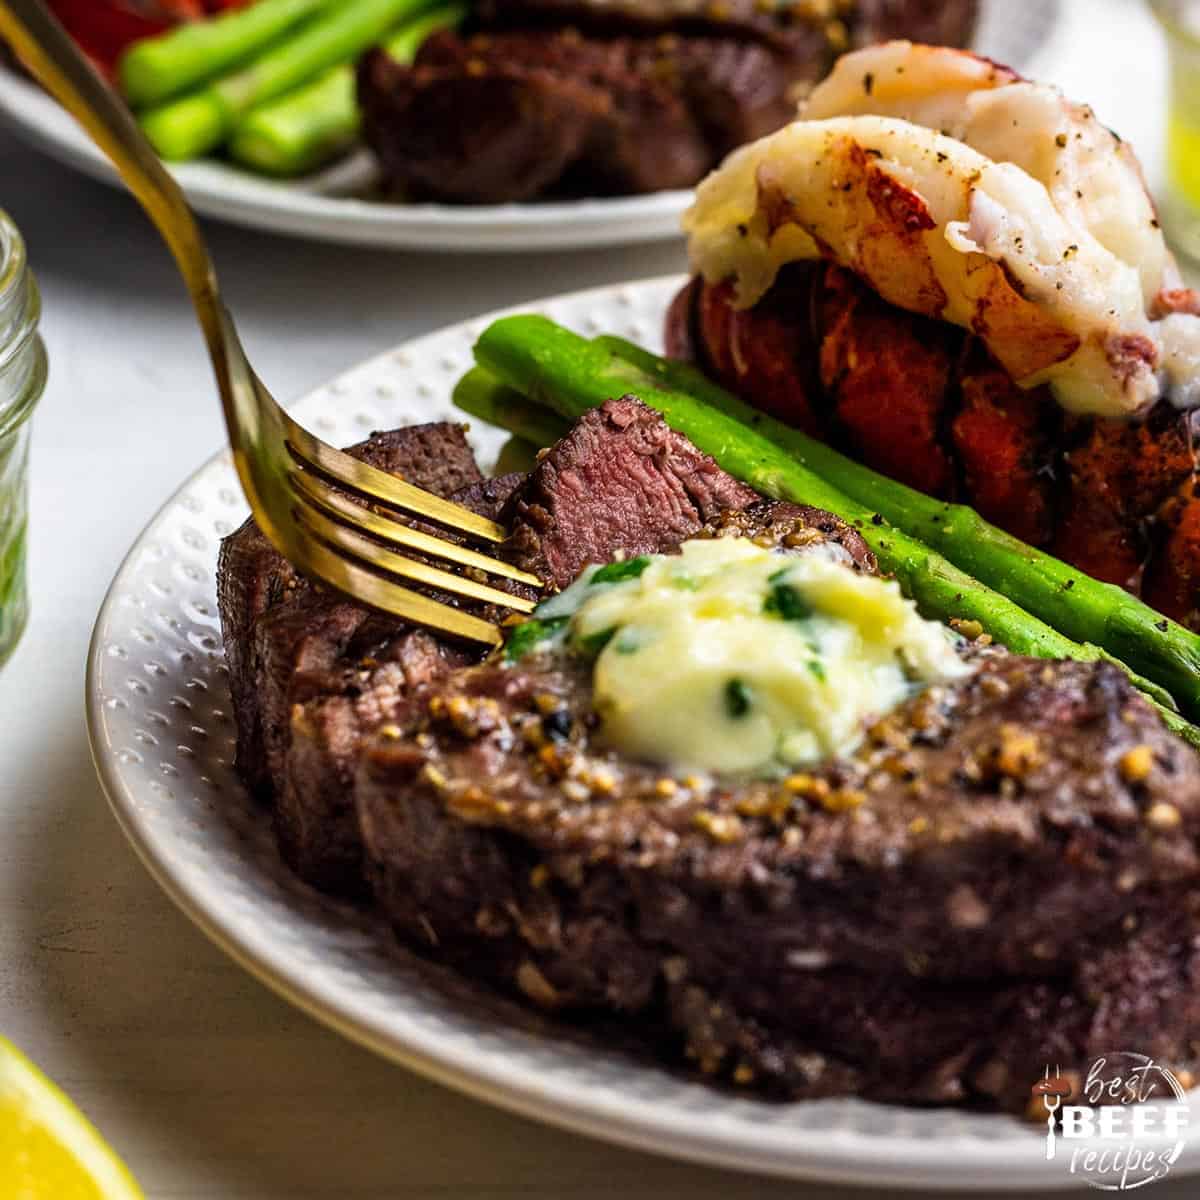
(161, 736)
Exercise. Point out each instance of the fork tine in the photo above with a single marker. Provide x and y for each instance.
(318, 492)
(373, 555)
(382, 594)
(378, 485)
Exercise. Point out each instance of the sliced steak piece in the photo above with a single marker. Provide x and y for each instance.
(508, 117)
(369, 684)
(288, 643)
(911, 922)
(314, 810)
(253, 577)
(620, 481)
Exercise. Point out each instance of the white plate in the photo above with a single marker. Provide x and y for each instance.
(327, 206)
(162, 736)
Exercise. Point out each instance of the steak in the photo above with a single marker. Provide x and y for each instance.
(1004, 874)
(926, 920)
(308, 670)
(583, 97)
(497, 118)
(621, 480)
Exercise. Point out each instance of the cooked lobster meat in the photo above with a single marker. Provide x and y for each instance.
(988, 315)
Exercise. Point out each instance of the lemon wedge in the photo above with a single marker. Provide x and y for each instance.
(48, 1148)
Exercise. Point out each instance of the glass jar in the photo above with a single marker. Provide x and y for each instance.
(1181, 203)
(22, 380)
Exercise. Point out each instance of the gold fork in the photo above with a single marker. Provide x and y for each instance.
(287, 474)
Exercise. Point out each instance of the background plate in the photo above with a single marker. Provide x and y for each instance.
(162, 736)
(328, 206)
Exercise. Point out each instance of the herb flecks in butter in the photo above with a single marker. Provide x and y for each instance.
(729, 657)
(529, 634)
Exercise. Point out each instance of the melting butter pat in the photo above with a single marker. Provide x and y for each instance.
(731, 658)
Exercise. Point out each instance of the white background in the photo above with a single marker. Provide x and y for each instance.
(210, 1087)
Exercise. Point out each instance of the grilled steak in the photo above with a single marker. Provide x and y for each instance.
(1004, 874)
(620, 480)
(308, 671)
(508, 117)
(926, 920)
(647, 97)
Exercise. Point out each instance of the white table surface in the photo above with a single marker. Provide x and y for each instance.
(209, 1086)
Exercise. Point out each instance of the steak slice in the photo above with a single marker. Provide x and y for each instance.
(289, 644)
(370, 684)
(253, 578)
(847, 930)
(924, 920)
(620, 481)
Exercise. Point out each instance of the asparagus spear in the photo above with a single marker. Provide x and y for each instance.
(196, 123)
(158, 68)
(1081, 607)
(941, 591)
(308, 127)
(482, 395)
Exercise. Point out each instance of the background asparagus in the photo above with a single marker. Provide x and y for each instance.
(156, 69)
(1081, 607)
(308, 127)
(197, 123)
(537, 376)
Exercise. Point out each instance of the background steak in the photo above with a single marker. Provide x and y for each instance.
(586, 97)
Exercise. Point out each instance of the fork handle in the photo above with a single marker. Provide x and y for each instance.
(49, 52)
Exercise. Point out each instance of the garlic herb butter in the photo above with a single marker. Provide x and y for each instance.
(731, 658)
